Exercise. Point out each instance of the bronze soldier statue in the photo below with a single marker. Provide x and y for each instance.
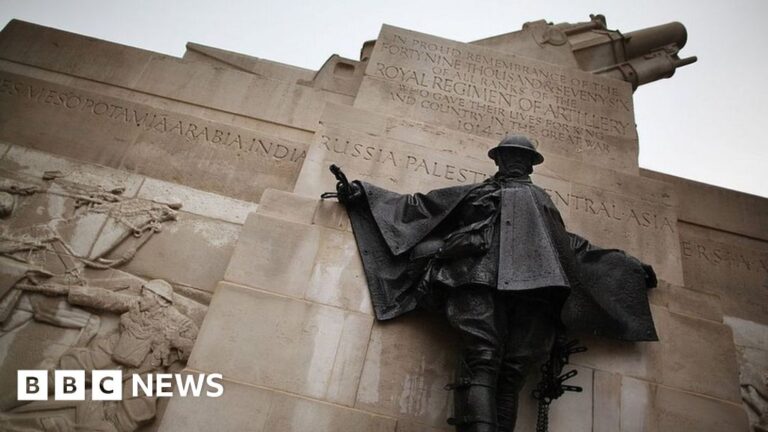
(496, 259)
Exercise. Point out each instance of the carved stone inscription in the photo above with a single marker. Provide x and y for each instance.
(733, 267)
(350, 150)
(487, 93)
(138, 131)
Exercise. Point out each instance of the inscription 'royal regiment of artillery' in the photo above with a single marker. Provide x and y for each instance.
(480, 91)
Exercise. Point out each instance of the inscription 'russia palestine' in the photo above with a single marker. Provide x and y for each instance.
(480, 91)
(412, 163)
(149, 120)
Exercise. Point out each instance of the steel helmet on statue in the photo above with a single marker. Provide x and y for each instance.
(517, 142)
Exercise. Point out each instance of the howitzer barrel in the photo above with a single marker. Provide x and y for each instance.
(641, 42)
(650, 54)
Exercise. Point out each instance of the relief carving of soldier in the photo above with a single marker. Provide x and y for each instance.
(153, 333)
(495, 258)
(62, 284)
(153, 336)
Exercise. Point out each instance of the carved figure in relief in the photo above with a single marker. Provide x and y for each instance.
(153, 333)
(153, 337)
(496, 260)
(52, 277)
(757, 402)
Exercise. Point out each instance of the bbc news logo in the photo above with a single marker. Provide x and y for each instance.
(108, 385)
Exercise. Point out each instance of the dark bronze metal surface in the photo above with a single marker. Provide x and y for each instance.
(496, 260)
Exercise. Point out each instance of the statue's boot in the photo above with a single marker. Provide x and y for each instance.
(474, 401)
(510, 382)
(531, 332)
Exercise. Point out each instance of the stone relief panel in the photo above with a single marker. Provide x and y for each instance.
(751, 340)
(65, 303)
(756, 401)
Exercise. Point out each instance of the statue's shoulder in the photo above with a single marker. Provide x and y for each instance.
(543, 195)
(537, 188)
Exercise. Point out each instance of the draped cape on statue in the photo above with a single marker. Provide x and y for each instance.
(609, 297)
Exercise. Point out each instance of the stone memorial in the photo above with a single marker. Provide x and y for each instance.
(157, 227)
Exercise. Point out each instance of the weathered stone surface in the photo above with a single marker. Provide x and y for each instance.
(254, 65)
(298, 347)
(716, 207)
(337, 276)
(54, 49)
(136, 137)
(694, 355)
(304, 210)
(298, 415)
(254, 409)
(299, 260)
(408, 363)
(490, 93)
(4, 146)
(647, 407)
(287, 206)
(207, 85)
(694, 303)
(191, 251)
(29, 166)
(274, 255)
(338, 75)
(607, 402)
(235, 92)
(405, 426)
(332, 215)
(699, 356)
(733, 267)
(519, 43)
(196, 201)
(748, 333)
(38, 209)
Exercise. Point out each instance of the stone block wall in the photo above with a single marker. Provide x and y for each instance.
(244, 144)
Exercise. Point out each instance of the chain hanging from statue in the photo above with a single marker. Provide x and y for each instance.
(552, 385)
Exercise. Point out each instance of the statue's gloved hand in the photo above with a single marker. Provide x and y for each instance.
(650, 276)
(349, 193)
(428, 248)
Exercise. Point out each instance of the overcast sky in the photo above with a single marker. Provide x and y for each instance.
(707, 123)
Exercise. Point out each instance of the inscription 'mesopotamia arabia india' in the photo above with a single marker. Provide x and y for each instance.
(149, 120)
(490, 96)
(425, 166)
